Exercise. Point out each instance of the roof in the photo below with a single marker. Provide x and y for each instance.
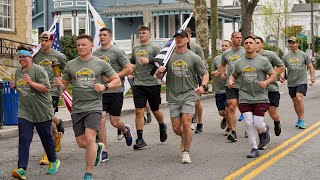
(138, 8)
(233, 11)
(305, 7)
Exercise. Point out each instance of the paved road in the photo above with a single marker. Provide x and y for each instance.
(212, 156)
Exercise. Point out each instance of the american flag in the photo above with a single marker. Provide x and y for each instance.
(56, 38)
(163, 57)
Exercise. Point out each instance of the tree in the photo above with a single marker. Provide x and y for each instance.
(247, 9)
(214, 27)
(68, 46)
(314, 1)
(201, 20)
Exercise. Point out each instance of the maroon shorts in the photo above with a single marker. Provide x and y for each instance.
(257, 109)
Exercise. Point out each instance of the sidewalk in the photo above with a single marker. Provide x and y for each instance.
(128, 108)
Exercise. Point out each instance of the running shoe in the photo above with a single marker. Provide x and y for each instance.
(145, 120)
(302, 124)
(163, 134)
(277, 128)
(241, 118)
(128, 135)
(87, 176)
(19, 174)
(185, 158)
(57, 141)
(265, 138)
(139, 144)
(223, 123)
(199, 128)
(53, 167)
(245, 134)
(192, 126)
(298, 122)
(44, 160)
(99, 154)
(253, 153)
(60, 126)
(194, 119)
(232, 136)
(120, 135)
(149, 119)
(105, 156)
(260, 145)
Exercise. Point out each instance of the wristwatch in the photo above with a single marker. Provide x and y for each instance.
(205, 87)
(106, 85)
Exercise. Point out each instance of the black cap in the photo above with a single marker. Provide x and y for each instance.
(181, 32)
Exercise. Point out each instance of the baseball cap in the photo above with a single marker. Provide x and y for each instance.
(293, 39)
(47, 35)
(181, 32)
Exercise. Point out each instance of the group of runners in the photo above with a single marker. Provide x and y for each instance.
(244, 77)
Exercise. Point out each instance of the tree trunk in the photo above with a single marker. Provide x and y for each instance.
(247, 9)
(214, 27)
(201, 20)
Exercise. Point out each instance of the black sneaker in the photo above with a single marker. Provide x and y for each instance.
(232, 136)
(199, 128)
(227, 132)
(277, 128)
(253, 153)
(245, 134)
(139, 144)
(265, 137)
(223, 123)
(163, 134)
(260, 145)
(60, 126)
(149, 119)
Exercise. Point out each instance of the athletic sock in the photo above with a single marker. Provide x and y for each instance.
(139, 133)
(162, 126)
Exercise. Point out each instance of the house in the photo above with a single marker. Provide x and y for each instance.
(15, 28)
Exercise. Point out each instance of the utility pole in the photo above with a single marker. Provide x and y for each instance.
(312, 31)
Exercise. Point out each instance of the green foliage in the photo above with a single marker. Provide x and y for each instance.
(273, 48)
(68, 46)
(292, 30)
(314, 1)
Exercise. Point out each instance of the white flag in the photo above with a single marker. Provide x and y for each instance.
(98, 24)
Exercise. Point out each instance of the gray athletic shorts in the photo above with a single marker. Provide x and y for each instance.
(176, 109)
(81, 121)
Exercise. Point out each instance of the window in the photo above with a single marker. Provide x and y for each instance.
(82, 25)
(67, 27)
(6, 15)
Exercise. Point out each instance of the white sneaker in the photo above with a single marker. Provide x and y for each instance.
(182, 145)
(185, 158)
(192, 126)
(120, 135)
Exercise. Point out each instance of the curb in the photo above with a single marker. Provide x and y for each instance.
(13, 132)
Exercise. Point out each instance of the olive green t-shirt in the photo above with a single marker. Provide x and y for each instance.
(45, 60)
(196, 48)
(229, 58)
(83, 75)
(34, 106)
(275, 62)
(182, 70)
(117, 58)
(296, 64)
(250, 72)
(142, 72)
(219, 87)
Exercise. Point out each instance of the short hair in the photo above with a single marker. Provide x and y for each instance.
(85, 36)
(226, 40)
(249, 37)
(25, 47)
(188, 30)
(143, 27)
(106, 29)
(260, 38)
(235, 32)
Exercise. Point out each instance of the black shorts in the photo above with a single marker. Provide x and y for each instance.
(221, 101)
(55, 100)
(143, 93)
(112, 103)
(232, 93)
(274, 98)
(302, 88)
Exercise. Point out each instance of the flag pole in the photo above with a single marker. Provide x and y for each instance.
(53, 24)
(87, 24)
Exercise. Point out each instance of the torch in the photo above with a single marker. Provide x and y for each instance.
(56, 70)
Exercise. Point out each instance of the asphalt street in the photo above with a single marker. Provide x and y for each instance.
(213, 157)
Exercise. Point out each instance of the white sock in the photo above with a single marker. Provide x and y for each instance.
(259, 123)
(248, 119)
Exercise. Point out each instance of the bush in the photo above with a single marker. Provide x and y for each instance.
(273, 48)
(68, 46)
